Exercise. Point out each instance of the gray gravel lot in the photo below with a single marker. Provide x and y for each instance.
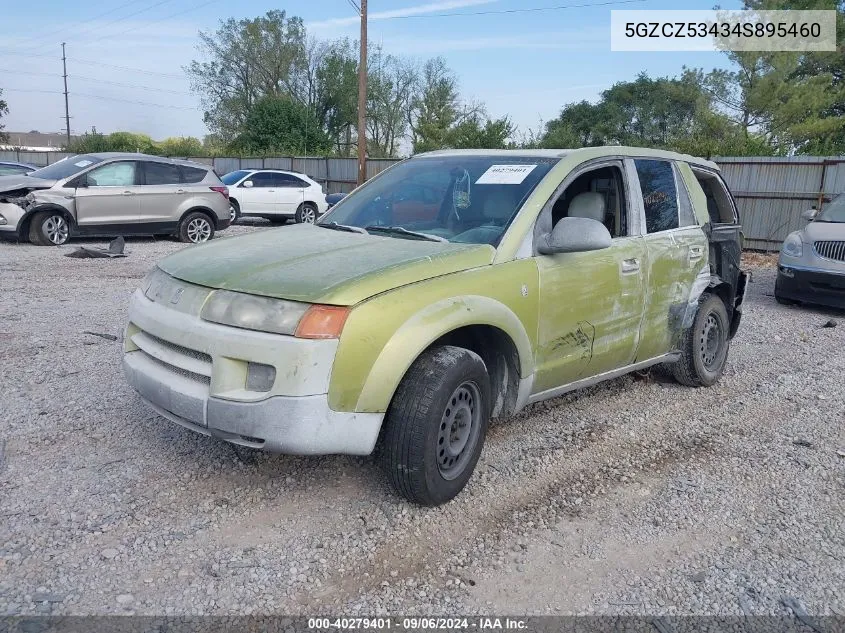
(636, 496)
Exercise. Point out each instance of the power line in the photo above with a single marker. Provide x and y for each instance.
(125, 17)
(96, 62)
(355, 6)
(503, 11)
(96, 80)
(101, 98)
(154, 22)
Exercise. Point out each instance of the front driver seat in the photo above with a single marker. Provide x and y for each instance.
(590, 205)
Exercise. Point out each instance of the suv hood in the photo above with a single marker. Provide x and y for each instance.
(19, 181)
(315, 265)
(816, 231)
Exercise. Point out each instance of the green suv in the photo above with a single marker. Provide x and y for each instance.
(454, 287)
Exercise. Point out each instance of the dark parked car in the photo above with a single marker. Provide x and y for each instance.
(13, 169)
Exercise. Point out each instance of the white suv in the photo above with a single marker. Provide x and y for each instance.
(274, 194)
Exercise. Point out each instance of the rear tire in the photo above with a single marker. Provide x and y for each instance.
(234, 211)
(306, 213)
(704, 345)
(196, 228)
(49, 228)
(784, 301)
(436, 424)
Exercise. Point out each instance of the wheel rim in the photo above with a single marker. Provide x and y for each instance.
(458, 432)
(56, 229)
(710, 341)
(309, 216)
(199, 230)
(233, 215)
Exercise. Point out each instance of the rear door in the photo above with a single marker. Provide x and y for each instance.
(108, 196)
(162, 192)
(677, 257)
(291, 192)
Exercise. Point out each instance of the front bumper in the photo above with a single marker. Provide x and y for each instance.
(810, 286)
(199, 382)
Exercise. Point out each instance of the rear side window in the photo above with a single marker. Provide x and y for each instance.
(660, 197)
(193, 174)
(286, 180)
(162, 173)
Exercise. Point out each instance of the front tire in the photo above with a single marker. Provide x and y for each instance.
(196, 228)
(436, 424)
(306, 213)
(704, 345)
(49, 228)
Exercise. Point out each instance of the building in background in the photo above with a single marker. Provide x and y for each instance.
(36, 141)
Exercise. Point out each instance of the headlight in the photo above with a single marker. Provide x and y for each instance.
(792, 246)
(253, 313)
(3, 220)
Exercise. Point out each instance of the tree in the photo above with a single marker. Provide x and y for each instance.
(278, 124)
(115, 142)
(472, 133)
(4, 109)
(246, 60)
(391, 87)
(181, 146)
(435, 110)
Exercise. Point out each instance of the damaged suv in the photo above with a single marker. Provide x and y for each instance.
(454, 287)
(110, 194)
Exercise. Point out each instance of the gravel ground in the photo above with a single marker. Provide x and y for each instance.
(636, 496)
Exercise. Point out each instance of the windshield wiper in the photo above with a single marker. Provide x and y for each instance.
(343, 227)
(400, 230)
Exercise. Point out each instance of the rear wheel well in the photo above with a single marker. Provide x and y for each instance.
(501, 357)
(725, 293)
(23, 229)
(211, 216)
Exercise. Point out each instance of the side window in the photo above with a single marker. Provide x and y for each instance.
(287, 180)
(193, 174)
(162, 173)
(660, 198)
(598, 194)
(263, 179)
(113, 175)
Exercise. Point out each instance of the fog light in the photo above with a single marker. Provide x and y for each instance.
(3, 220)
(260, 377)
(787, 272)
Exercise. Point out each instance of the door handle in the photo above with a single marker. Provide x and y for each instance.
(128, 193)
(271, 191)
(630, 266)
(695, 253)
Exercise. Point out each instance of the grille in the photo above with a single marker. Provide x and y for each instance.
(831, 250)
(186, 362)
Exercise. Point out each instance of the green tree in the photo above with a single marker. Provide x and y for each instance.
(474, 132)
(278, 124)
(4, 109)
(181, 146)
(114, 142)
(435, 110)
(243, 61)
(391, 88)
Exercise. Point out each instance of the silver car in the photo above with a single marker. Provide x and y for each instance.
(811, 267)
(112, 194)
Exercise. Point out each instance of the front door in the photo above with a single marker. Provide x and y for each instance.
(591, 302)
(260, 197)
(677, 255)
(109, 197)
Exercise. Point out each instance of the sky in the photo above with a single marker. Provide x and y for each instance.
(125, 59)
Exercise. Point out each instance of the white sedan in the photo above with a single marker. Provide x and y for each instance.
(274, 194)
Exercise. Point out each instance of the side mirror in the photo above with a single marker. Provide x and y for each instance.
(248, 184)
(809, 215)
(575, 235)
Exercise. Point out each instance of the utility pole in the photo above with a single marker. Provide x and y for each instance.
(67, 109)
(362, 99)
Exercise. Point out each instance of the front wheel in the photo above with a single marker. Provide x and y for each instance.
(196, 228)
(306, 213)
(436, 424)
(704, 346)
(49, 228)
(234, 211)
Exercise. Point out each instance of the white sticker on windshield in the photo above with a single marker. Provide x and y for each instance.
(83, 163)
(504, 175)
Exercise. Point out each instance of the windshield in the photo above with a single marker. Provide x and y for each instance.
(234, 176)
(66, 167)
(833, 212)
(466, 198)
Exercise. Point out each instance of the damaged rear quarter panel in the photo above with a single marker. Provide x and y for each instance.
(372, 359)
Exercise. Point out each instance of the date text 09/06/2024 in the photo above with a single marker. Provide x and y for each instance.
(418, 624)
